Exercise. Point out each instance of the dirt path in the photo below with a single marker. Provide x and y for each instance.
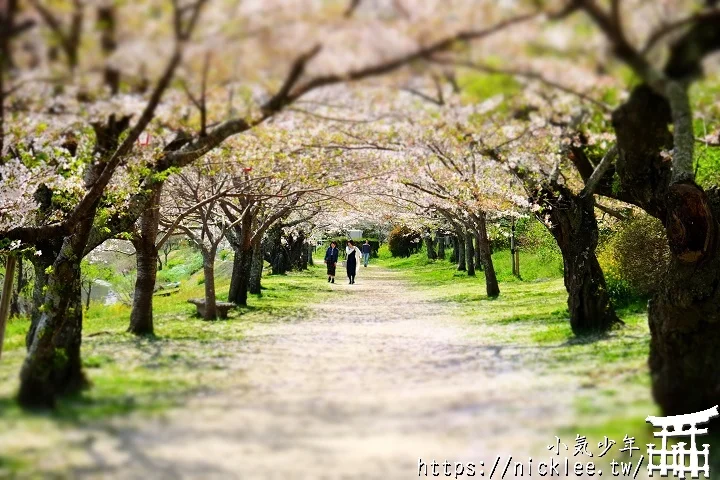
(376, 380)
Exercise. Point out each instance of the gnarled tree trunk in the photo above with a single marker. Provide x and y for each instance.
(574, 227)
(41, 266)
(53, 366)
(256, 268)
(147, 260)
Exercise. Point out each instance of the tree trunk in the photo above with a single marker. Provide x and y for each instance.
(491, 283)
(209, 273)
(274, 251)
(146, 258)
(242, 261)
(6, 295)
(141, 317)
(460, 250)
(454, 252)
(87, 300)
(430, 246)
(440, 241)
(685, 313)
(53, 366)
(310, 250)
(239, 281)
(575, 229)
(469, 253)
(478, 260)
(304, 255)
(19, 285)
(42, 263)
(256, 269)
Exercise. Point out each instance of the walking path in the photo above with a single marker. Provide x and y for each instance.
(377, 378)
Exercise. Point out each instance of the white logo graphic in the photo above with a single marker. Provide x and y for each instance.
(678, 460)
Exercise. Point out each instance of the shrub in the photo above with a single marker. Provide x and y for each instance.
(403, 241)
(634, 258)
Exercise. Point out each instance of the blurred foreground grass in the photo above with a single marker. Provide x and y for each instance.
(145, 375)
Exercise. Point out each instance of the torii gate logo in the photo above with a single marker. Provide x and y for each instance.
(679, 461)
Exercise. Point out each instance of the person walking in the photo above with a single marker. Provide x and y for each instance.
(366, 249)
(331, 259)
(353, 260)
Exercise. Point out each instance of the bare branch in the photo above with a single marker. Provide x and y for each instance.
(599, 171)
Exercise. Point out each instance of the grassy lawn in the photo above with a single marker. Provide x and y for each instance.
(531, 314)
(148, 375)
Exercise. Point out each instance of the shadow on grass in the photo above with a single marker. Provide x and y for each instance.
(93, 405)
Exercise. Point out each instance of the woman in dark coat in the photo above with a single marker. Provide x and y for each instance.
(353, 260)
(331, 258)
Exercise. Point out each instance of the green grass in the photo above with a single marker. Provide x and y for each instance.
(142, 375)
(533, 267)
(531, 314)
(186, 355)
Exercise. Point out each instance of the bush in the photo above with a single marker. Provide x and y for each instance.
(634, 258)
(403, 241)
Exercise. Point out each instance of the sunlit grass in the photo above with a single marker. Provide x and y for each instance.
(531, 314)
(186, 354)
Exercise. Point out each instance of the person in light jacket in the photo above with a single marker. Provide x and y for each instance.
(353, 260)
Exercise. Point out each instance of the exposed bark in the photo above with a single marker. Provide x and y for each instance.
(479, 265)
(297, 251)
(440, 241)
(684, 318)
(256, 268)
(20, 284)
(6, 295)
(574, 227)
(147, 260)
(469, 253)
(87, 299)
(239, 280)
(460, 249)
(491, 284)
(430, 246)
(310, 250)
(241, 241)
(41, 266)
(454, 252)
(53, 366)
(209, 274)
(274, 252)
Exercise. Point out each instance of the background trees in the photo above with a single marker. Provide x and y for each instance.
(100, 140)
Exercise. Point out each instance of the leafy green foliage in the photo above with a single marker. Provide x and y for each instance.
(403, 241)
(634, 258)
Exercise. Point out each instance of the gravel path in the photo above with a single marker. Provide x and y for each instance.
(375, 380)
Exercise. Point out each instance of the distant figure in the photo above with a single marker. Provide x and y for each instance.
(353, 260)
(331, 258)
(366, 249)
